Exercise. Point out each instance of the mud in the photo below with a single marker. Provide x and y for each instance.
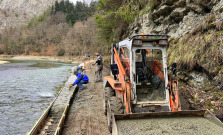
(168, 126)
(86, 115)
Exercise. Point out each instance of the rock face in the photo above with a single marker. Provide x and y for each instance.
(19, 12)
(176, 17)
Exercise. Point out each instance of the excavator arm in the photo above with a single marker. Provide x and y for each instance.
(121, 85)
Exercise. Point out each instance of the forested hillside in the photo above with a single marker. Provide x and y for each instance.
(63, 29)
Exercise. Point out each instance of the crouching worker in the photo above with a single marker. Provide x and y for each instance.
(81, 79)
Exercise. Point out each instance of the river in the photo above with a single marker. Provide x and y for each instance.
(26, 90)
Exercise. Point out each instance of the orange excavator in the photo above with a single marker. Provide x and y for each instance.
(139, 86)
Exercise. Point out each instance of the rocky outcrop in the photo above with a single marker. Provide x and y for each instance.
(19, 12)
(176, 17)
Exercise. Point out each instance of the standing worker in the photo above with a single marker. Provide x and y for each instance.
(81, 79)
(99, 68)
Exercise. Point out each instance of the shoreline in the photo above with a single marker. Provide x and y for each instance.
(3, 62)
(66, 59)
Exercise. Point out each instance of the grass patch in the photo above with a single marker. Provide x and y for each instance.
(57, 89)
(200, 51)
(208, 104)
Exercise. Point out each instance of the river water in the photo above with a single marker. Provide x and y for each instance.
(26, 90)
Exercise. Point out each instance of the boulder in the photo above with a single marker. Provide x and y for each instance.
(159, 20)
(181, 3)
(218, 6)
(167, 20)
(195, 8)
(178, 14)
(168, 2)
(163, 10)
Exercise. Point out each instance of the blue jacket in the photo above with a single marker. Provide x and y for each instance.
(81, 76)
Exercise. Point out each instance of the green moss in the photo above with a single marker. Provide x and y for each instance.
(195, 98)
(219, 32)
(221, 10)
(208, 104)
(207, 37)
(211, 18)
(211, 25)
(219, 95)
(57, 89)
(173, 41)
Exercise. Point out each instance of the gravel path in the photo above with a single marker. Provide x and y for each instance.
(86, 115)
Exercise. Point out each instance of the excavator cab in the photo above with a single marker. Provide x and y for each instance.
(142, 74)
(149, 78)
(149, 85)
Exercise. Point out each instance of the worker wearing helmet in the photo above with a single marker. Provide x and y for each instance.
(79, 69)
(99, 68)
(81, 79)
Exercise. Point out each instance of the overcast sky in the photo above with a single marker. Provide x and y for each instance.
(87, 1)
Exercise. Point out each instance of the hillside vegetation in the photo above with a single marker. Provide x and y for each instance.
(63, 29)
(113, 22)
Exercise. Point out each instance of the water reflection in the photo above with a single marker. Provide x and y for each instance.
(26, 91)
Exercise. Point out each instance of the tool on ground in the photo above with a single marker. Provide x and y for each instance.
(140, 86)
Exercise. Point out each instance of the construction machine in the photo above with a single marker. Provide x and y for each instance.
(140, 88)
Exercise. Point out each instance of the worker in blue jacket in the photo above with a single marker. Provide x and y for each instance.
(81, 79)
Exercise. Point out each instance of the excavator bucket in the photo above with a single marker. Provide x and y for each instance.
(178, 122)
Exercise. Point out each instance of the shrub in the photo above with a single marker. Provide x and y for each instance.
(1, 51)
(38, 49)
(61, 52)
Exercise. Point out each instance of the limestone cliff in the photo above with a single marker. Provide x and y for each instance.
(177, 17)
(19, 12)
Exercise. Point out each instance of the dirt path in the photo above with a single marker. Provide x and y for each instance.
(86, 115)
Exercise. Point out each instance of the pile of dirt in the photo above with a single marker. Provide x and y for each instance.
(86, 116)
(198, 92)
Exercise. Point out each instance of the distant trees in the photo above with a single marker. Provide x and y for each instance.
(63, 29)
(82, 39)
(79, 11)
(116, 15)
